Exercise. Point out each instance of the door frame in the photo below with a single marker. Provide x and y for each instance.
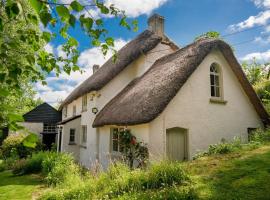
(186, 142)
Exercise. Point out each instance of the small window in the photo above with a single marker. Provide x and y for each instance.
(215, 77)
(84, 135)
(49, 128)
(72, 136)
(116, 145)
(84, 103)
(74, 110)
(65, 111)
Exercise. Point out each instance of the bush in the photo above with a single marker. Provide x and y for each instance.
(13, 147)
(19, 166)
(60, 169)
(261, 136)
(3, 166)
(30, 165)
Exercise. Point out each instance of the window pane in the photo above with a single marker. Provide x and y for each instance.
(217, 92)
(217, 80)
(115, 145)
(115, 134)
(212, 91)
(212, 79)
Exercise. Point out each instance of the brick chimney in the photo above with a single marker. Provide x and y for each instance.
(156, 24)
(95, 68)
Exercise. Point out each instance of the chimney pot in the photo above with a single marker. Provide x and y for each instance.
(95, 68)
(156, 24)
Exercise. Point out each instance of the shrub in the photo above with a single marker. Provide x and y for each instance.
(60, 168)
(261, 136)
(13, 146)
(3, 166)
(19, 166)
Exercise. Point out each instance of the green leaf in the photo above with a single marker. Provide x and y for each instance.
(103, 9)
(46, 36)
(99, 22)
(16, 8)
(30, 59)
(15, 117)
(45, 17)
(4, 93)
(36, 4)
(33, 18)
(75, 68)
(110, 41)
(72, 20)
(72, 42)
(75, 5)
(96, 43)
(87, 23)
(63, 12)
(30, 140)
(1, 24)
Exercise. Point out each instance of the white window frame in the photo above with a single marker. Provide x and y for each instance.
(74, 110)
(72, 130)
(84, 103)
(84, 135)
(116, 140)
(216, 90)
(65, 111)
(49, 128)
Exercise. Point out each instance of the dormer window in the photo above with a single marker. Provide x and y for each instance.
(215, 81)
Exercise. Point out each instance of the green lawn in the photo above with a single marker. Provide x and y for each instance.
(19, 187)
(243, 175)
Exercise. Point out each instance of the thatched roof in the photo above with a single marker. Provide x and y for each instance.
(147, 96)
(69, 119)
(143, 43)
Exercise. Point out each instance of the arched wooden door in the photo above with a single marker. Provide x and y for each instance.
(176, 144)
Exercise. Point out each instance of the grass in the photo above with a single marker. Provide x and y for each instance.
(243, 174)
(19, 187)
(239, 175)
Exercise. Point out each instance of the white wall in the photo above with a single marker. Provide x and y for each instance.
(207, 123)
(74, 148)
(141, 132)
(34, 127)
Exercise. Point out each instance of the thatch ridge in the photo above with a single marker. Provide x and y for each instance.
(147, 96)
(143, 43)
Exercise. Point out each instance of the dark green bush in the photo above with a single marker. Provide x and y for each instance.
(3, 166)
(261, 136)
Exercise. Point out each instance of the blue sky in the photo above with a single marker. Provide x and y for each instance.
(184, 20)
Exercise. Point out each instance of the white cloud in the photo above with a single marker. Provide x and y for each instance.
(58, 88)
(137, 7)
(133, 8)
(262, 3)
(260, 56)
(261, 19)
(49, 48)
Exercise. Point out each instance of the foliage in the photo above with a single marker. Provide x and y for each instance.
(209, 34)
(3, 166)
(261, 136)
(14, 146)
(133, 151)
(120, 181)
(30, 165)
(60, 169)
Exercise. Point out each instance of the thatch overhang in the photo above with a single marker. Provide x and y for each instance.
(143, 43)
(147, 96)
(69, 119)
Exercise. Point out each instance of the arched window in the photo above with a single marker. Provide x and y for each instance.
(215, 81)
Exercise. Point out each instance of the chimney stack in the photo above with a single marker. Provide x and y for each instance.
(95, 68)
(156, 24)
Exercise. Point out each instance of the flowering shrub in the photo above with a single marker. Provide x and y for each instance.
(134, 151)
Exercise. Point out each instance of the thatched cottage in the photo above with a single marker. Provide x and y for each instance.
(177, 100)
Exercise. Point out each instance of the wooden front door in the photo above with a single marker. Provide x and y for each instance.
(176, 144)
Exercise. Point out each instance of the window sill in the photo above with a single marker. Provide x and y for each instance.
(83, 146)
(217, 101)
(71, 143)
